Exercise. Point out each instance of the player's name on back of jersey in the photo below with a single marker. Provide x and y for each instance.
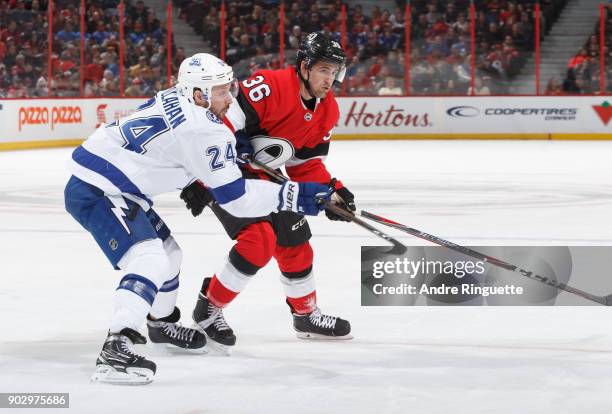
(172, 107)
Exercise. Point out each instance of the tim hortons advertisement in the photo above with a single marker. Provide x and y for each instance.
(383, 115)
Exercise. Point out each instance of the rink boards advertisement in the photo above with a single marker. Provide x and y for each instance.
(57, 122)
(475, 118)
(60, 122)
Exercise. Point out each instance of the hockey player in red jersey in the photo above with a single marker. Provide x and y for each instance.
(297, 105)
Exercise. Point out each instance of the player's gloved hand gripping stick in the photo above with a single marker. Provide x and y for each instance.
(302, 198)
(342, 197)
(343, 213)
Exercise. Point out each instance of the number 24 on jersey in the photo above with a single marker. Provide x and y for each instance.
(219, 157)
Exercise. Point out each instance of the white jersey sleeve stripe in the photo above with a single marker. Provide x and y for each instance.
(230, 191)
(260, 199)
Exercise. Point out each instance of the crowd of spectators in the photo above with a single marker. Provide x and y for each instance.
(252, 36)
(375, 51)
(24, 48)
(440, 52)
(583, 70)
(144, 55)
(66, 49)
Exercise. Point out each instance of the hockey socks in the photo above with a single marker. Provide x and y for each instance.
(304, 304)
(218, 294)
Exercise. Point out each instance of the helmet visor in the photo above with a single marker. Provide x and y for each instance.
(341, 73)
(234, 87)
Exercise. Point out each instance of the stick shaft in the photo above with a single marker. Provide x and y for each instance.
(398, 248)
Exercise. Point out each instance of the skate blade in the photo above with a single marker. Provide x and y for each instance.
(213, 347)
(134, 376)
(169, 349)
(318, 337)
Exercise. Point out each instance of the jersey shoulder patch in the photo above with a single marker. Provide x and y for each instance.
(212, 117)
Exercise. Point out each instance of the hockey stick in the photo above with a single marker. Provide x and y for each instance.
(398, 248)
(603, 300)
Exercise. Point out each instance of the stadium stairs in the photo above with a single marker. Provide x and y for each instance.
(569, 33)
(183, 33)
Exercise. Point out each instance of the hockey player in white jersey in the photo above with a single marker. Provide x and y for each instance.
(172, 140)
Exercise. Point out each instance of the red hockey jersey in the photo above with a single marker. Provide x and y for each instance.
(269, 103)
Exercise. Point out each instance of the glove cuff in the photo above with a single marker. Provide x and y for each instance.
(288, 196)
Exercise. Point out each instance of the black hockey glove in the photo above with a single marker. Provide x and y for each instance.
(244, 149)
(343, 198)
(196, 197)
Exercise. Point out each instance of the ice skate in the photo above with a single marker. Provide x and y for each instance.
(119, 364)
(169, 334)
(318, 326)
(209, 320)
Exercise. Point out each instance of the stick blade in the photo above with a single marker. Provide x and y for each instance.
(398, 249)
(608, 300)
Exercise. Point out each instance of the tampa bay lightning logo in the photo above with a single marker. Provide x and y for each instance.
(213, 117)
(195, 62)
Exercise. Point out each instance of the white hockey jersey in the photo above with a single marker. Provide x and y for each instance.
(164, 146)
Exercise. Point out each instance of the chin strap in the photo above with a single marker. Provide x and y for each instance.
(305, 81)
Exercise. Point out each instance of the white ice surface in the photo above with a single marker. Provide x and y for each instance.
(56, 290)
